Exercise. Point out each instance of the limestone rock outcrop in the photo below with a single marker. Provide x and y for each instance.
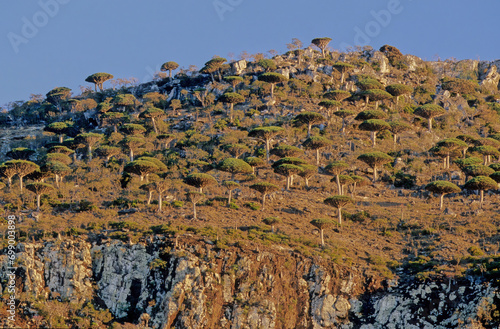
(197, 285)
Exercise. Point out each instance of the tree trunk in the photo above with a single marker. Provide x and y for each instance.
(317, 157)
(267, 149)
(90, 153)
(375, 176)
(154, 125)
(441, 202)
(340, 216)
(263, 201)
(272, 90)
(231, 107)
(429, 124)
(194, 210)
(150, 195)
(38, 202)
(307, 182)
(374, 138)
(482, 199)
(131, 155)
(339, 188)
(322, 239)
(288, 183)
(309, 126)
(61, 138)
(272, 229)
(9, 182)
(229, 199)
(21, 183)
(159, 202)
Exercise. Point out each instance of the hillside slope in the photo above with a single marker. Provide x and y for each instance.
(304, 172)
(196, 285)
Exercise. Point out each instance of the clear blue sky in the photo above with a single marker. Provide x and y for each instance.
(53, 43)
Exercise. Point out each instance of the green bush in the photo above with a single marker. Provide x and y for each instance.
(475, 251)
(93, 226)
(252, 205)
(252, 112)
(424, 276)
(422, 263)
(495, 107)
(163, 229)
(402, 180)
(158, 264)
(122, 236)
(377, 260)
(461, 86)
(177, 204)
(85, 205)
(10, 207)
(124, 225)
(120, 203)
(234, 206)
(393, 264)
(359, 216)
(74, 231)
(409, 109)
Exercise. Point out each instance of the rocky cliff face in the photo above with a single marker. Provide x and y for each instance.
(196, 285)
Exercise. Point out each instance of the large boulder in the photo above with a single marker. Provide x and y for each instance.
(238, 67)
(311, 53)
(413, 62)
(382, 62)
(489, 76)
(285, 72)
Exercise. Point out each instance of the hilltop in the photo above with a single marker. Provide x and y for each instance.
(297, 137)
